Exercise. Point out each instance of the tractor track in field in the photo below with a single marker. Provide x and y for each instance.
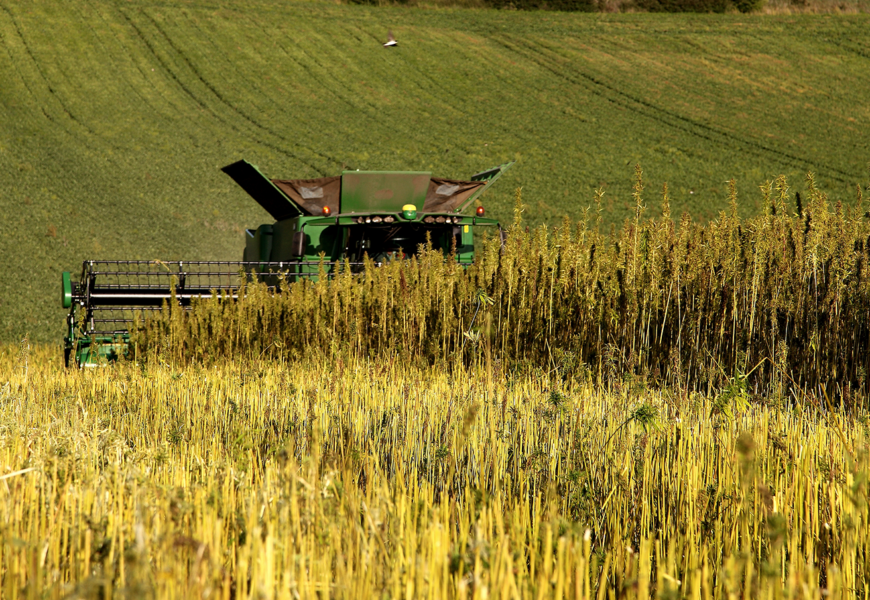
(136, 64)
(308, 71)
(419, 80)
(317, 71)
(15, 65)
(423, 82)
(46, 82)
(258, 83)
(654, 112)
(835, 40)
(246, 117)
(221, 100)
(366, 109)
(412, 65)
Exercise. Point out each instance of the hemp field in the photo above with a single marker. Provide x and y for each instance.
(352, 478)
(115, 116)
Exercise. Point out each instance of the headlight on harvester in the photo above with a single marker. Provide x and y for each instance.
(376, 219)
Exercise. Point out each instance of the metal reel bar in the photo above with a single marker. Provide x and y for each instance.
(111, 291)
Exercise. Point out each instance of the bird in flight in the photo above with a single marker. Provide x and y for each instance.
(391, 41)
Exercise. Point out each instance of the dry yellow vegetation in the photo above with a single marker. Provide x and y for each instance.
(350, 478)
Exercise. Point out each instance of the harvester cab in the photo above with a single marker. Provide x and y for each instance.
(326, 223)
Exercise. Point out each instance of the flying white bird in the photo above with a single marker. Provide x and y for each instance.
(391, 41)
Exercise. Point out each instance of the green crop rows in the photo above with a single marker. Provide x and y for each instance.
(116, 116)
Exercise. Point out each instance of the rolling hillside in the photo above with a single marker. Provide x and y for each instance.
(115, 117)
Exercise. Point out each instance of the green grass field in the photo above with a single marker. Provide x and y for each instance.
(116, 116)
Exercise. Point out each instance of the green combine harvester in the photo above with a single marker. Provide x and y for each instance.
(382, 215)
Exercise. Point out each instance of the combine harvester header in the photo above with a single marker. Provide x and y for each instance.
(385, 215)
